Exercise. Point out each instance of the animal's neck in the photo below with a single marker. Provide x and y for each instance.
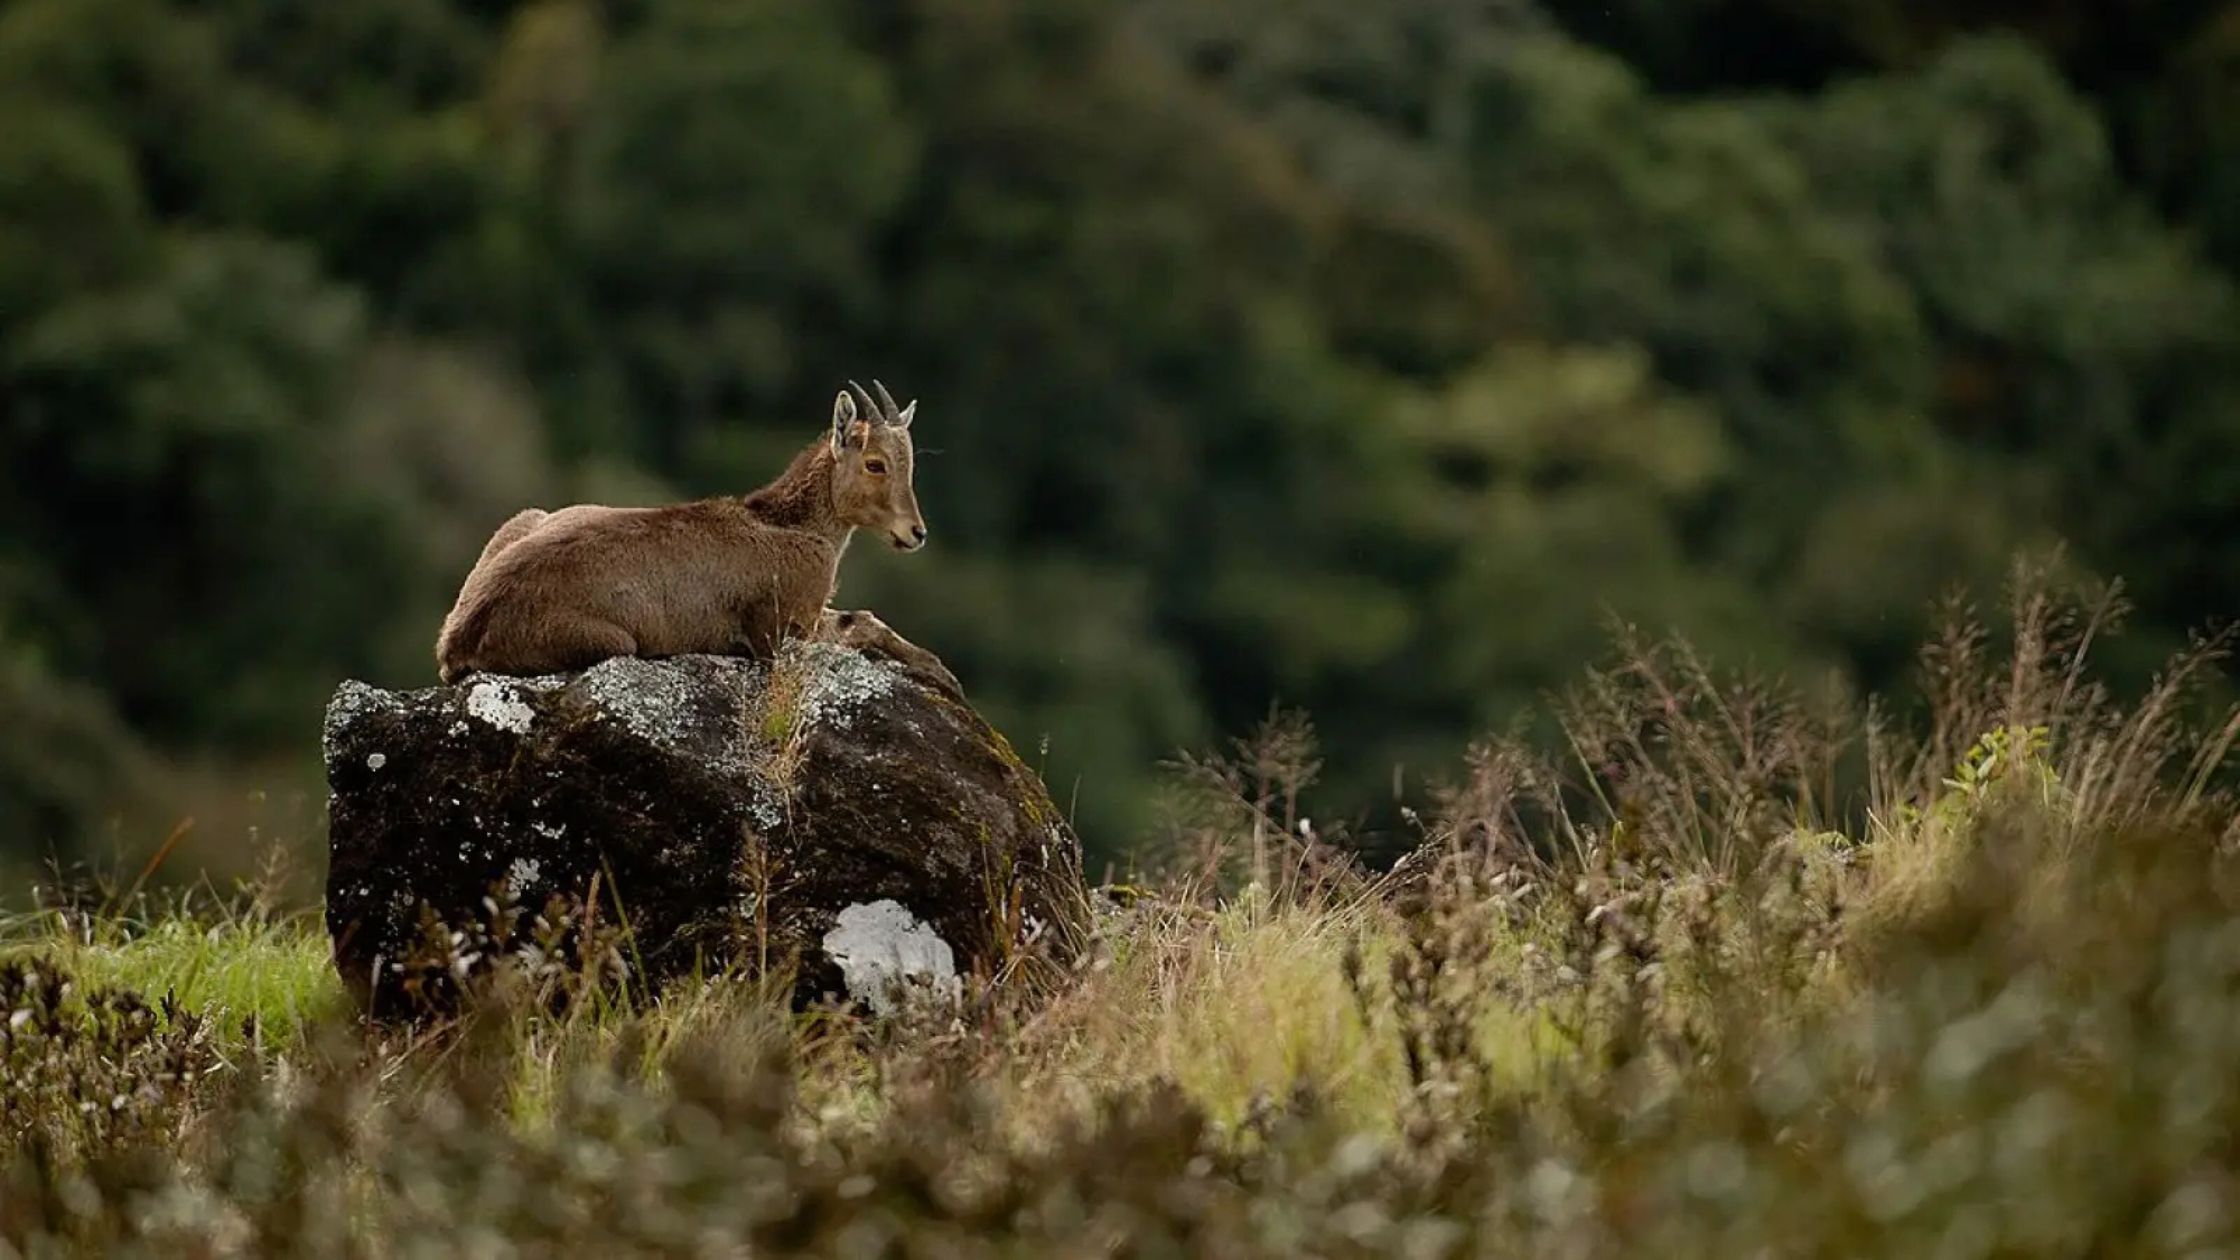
(801, 497)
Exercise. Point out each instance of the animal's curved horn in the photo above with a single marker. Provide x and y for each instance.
(871, 410)
(887, 408)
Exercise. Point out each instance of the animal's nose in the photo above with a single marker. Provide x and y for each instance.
(918, 534)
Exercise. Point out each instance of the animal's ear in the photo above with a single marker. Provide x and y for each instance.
(909, 413)
(843, 418)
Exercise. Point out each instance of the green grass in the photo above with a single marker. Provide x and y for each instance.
(229, 968)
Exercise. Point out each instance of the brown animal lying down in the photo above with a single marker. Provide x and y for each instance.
(561, 591)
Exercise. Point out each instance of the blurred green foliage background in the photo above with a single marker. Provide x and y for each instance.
(1361, 357)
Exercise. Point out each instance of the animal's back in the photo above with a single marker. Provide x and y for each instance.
(576, 586)
(463, 624)
(517, 527)
(506, 605)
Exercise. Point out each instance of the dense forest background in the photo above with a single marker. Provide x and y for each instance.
(1361, 357)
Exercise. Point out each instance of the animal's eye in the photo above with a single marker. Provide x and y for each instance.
(876, 467)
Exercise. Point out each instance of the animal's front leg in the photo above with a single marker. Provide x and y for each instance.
(760, 626)
(864, 632)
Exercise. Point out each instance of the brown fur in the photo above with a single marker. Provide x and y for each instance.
(558, 591)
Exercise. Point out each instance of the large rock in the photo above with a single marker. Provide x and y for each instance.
(837, 807)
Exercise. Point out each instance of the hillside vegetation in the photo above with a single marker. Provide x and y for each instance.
(1358, 356)
(1738, 974)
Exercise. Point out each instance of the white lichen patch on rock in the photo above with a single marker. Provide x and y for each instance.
(354, 700)
(836, 682)
(766, 808)
(660, 702)
(521, 877)
(495, 703)
(886, 954)
(647, 697)
(374, 761)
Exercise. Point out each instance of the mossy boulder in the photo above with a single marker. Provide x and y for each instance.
(841, 810)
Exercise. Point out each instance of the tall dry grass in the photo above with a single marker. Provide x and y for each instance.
(1733, 970)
